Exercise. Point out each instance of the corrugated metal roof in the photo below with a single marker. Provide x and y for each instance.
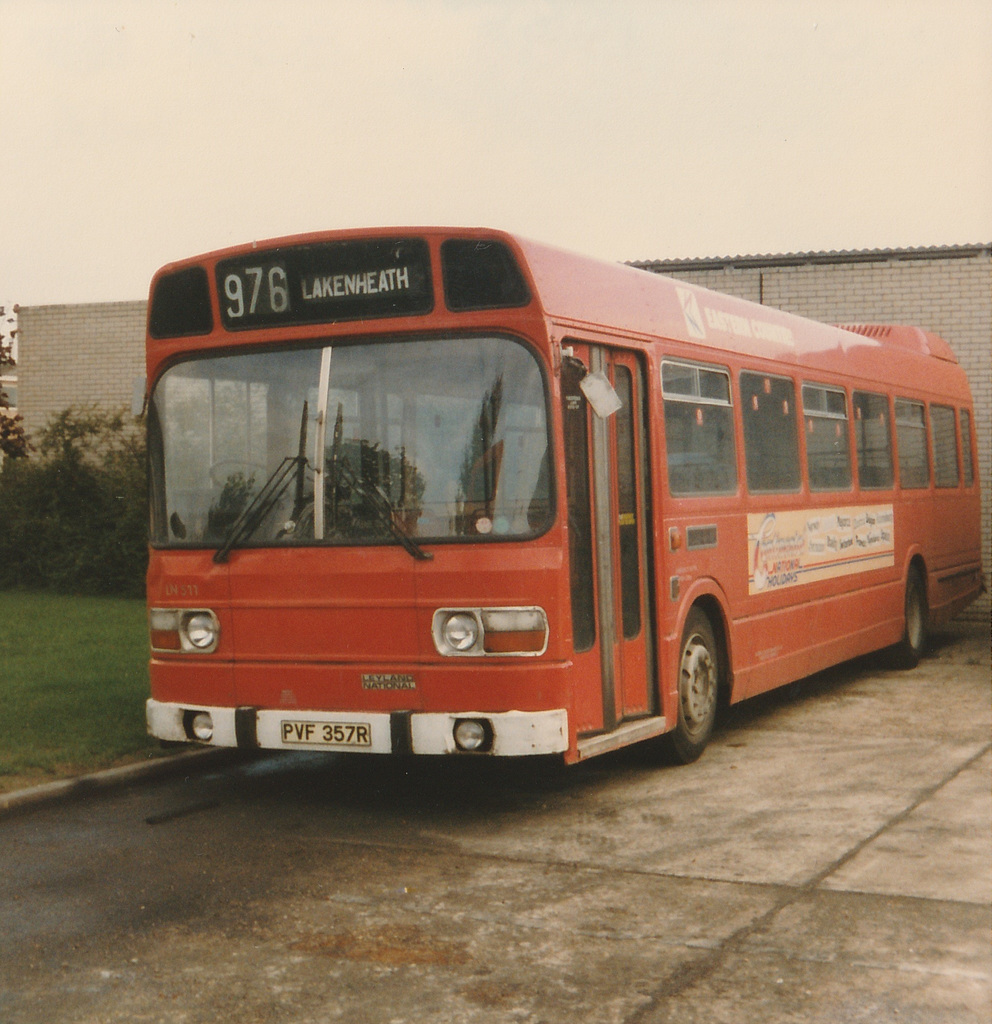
(798, 259)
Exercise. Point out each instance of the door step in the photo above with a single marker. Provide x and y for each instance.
(622, 736)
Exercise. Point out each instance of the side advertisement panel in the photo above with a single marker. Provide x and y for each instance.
(787, 549)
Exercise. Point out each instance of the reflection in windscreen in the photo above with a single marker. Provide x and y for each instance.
(439, 439)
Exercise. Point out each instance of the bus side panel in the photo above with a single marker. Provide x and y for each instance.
(687, 571)
(856, 622)
(779, 635)
(952, 548)
(808, 628)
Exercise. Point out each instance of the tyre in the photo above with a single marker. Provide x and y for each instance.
(699, 686)
(913, 645)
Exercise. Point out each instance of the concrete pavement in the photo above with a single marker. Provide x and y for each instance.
(827, 861)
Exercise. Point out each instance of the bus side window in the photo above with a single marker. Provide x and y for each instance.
(911, 439)
(946, 469)
(969, 465)
(699, 429)
(828, 446)
(771, 443)
(873, 439)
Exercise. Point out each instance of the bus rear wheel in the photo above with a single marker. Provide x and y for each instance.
(699, 683)
(913, 645)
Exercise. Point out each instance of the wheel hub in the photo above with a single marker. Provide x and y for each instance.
(698, 685)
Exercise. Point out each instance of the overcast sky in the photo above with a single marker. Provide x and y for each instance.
(135, 133)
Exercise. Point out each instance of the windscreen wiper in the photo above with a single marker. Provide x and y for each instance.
(384, 511)
(261, 505)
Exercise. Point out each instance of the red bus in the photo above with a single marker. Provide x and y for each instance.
(441, 491)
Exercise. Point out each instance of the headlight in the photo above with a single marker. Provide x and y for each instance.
(461, 632)
(201, 630)
(188, 631)
(476, 632)
(202, 726)
(473, 735)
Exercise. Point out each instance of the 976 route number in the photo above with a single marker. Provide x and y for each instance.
(334, 734)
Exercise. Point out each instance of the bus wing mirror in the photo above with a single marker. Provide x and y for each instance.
(600, 394)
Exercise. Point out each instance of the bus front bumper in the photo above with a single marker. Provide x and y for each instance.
(499, 734)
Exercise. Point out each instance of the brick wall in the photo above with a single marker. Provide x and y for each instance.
(947, 291)
(81, 355)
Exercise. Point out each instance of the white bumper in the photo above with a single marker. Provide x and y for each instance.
(514, 733)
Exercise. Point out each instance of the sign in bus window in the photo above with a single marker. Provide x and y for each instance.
(911, 441)
(828, 449)
(699, 429)
(947, 471)
(873, 440)
(771, 444)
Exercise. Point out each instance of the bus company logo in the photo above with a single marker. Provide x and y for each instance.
(690, 311)
(388, 681)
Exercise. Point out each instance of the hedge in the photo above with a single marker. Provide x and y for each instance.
(73, 517)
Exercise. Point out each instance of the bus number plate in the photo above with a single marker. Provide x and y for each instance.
(331, 734)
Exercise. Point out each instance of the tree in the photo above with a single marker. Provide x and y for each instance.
(13, 440)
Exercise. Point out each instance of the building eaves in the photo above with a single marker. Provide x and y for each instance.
(799, 259)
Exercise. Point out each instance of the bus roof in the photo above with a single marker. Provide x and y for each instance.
(575, 289)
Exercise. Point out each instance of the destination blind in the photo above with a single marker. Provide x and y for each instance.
(325, 283)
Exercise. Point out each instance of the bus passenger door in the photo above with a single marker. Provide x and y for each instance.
(607, 485)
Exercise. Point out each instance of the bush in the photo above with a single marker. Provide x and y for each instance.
(73, 519)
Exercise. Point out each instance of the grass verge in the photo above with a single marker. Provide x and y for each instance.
(73, 683)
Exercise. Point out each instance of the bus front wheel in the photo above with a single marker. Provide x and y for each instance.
(699, 682)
